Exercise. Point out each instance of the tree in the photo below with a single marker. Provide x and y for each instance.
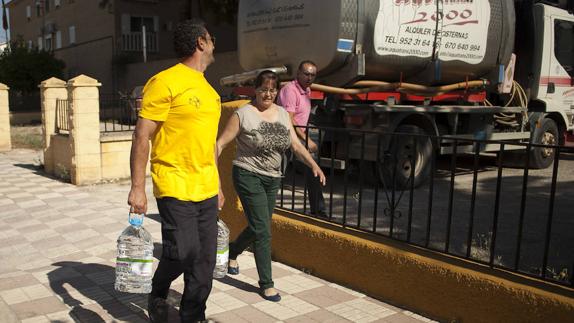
(23, 69)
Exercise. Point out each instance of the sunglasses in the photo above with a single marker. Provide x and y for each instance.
(212, 38)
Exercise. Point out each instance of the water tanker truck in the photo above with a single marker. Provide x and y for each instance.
(474, 69)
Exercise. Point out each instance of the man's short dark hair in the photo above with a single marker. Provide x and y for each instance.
(305, 62)
(185, 36)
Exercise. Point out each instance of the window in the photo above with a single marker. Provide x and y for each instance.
(46, 5)
(38, 8)
(136, 24)
(30, 44)
(40, 43)
(57, 3)
(28, 12)
(58, 39)
(72, 34)
(564, 44)
(48, 43)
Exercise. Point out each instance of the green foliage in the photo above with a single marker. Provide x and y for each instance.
(23, 69)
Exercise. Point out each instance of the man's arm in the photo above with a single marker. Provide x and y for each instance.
(138, 161)
(220, 196)
(229, 133)
(288, 98)
(301, 134)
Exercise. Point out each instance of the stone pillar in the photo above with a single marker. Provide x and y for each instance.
(84, 104)
(51, 90)
(5, 141)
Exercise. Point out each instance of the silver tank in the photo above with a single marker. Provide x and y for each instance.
(389, 40)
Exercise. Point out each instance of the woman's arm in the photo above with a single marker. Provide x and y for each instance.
(304, 155)
(229, 133)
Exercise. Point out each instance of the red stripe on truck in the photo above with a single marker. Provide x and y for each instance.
(557, 80)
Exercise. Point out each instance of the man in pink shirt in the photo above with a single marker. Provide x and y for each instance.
(295, 98)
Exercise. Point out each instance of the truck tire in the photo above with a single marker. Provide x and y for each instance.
(546, 134)
(398, 160)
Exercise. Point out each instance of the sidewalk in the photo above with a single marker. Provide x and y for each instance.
(57, 255)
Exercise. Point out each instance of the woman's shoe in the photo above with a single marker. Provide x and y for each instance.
(233, 270)
(271, 298)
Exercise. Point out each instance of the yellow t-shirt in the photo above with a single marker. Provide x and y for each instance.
(183, 148)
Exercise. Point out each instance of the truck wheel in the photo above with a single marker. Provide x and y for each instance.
(547, 134)
(399, 159)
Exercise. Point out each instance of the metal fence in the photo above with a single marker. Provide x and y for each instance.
(117, 113)
(133, 42)
(488, 208)
(62, 116)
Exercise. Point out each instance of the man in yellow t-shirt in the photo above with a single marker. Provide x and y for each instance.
(180, 115)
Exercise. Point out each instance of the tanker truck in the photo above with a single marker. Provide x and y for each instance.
(474, 69)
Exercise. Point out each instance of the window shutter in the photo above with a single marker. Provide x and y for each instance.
(58, 39)
(125, 24)
(72, 34)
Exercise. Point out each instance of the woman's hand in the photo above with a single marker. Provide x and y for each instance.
(318, 172)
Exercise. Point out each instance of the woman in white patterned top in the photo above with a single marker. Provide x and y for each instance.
(263, 131)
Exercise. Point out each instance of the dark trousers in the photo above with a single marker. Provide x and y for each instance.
(313, 184)
(189, 238)
(257, 194)
(315, 190)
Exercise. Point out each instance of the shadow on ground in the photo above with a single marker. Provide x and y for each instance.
(88, 289)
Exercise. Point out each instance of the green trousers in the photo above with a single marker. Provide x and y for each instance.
(257, 194)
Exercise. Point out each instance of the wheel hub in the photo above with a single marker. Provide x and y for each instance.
(548, 139)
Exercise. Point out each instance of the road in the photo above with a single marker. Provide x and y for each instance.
(451, 226)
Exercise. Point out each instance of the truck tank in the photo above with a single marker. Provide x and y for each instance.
(389, 40)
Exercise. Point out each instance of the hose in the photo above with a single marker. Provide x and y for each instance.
(410, 88)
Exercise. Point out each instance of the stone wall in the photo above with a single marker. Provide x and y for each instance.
(83, 155)
(5, 140)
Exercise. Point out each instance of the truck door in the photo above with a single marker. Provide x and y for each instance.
(561, 69)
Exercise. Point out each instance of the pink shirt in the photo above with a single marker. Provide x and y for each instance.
(296, 100)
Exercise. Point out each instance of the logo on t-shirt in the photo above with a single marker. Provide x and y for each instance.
(194, 102)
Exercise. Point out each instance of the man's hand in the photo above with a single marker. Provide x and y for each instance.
(220, 199)
(312, 146)
(138, 201)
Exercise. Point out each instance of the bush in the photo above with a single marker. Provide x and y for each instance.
(23, 69)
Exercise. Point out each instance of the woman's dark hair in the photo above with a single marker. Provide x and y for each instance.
(267, 75)
(185, 36)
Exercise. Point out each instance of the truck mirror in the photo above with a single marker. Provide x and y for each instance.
(551, 87)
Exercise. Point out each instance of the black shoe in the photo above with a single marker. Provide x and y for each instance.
(233, 270)
(321, 214)
(185, 320)
(157, 309)
(272, 298)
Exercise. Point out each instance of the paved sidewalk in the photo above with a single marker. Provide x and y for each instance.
(57, 253)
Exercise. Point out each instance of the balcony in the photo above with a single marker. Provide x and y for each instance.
(133, 42)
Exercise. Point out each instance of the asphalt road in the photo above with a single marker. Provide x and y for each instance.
(454, 226)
